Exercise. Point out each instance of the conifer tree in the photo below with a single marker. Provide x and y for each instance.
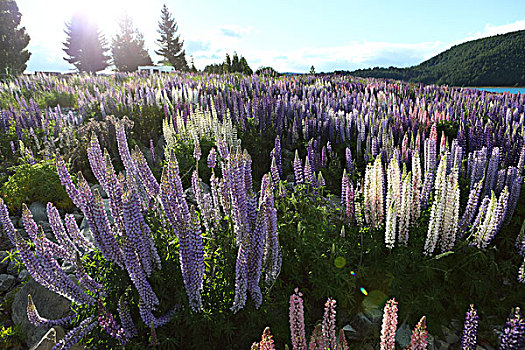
(127, 47)
(85, 45)
(13, 39)
(170, 43)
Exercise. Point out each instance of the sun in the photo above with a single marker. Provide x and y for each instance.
(105, 13)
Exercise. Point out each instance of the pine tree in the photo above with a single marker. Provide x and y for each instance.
(128, 47)
(13, 40)
(85, 45)
(169, 42)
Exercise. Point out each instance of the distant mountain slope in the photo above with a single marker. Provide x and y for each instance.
(495, 61)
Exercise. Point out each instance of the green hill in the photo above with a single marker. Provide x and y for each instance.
(494, 61)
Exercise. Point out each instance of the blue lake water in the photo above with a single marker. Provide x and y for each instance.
(512, 90)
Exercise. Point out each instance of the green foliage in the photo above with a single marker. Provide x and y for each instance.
(54, 98)
(10, 337)
(170, 42)
(13, 52)
(495, 61)
(128, 48)
(34, 182)
(235, 65)
(267, 71)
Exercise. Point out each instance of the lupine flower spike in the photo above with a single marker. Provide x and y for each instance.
(470, 329)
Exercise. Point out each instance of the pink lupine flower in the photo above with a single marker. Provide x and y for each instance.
(388, 329)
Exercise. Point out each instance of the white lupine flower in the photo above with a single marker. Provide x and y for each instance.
(416, 186)
(394, 182)
(391, 215)
(438, 206)
(487, 222)
(406, 210)
(451, 214)
(373, 194)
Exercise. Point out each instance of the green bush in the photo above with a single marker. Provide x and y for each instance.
(34, 182)
(63, 99)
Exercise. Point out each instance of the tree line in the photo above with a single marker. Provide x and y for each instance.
(494, 61)
(87, 49)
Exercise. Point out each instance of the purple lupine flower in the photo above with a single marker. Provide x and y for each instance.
(34, 317)
(492, 170)
(96, 160)
(274, 170)
(138, 277)
(223, 148)
(297, 332)
(308, 172)
(320, 180)
(513, 335)
(278, 155)
(152, 151)
(349, 161)
(84, 279)
(255, 258)
(60, 233)
(470, 329)
(389, 326)
(125, 317)
(470, 210)
(418, 340)
(298, 169)
(76, 334)
(74, 232)
(212, 158)
(328, 325)
(197, 150)
(9, 228)
(109, 325)
(241, 277)
(324, 158)
(145, 174)
(521, 272)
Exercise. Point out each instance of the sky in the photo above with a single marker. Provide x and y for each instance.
(288, 35)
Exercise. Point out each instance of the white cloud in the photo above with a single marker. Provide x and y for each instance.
(491, 29)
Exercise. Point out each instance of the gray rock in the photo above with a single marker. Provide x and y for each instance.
(14, 220)
(86, 232)
(39, 211)
(100, 189)
(4, 261)
(449, 336)
(190, 196)
(50, 305)
(50, 339)
(47, 342)
(374, 314)
(68, 267)
(46, 227)
(430, 342)
(14, 267)
(361, 324)
(441, 345)
(23, 275)
(78, 218)
(6, 283)
(403, 335)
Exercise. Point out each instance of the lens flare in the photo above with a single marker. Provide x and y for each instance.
(363, 290)
(352, 273)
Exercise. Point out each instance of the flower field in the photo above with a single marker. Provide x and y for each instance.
(203, 211)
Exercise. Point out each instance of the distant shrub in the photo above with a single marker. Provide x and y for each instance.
(55, 98)
(35, 182)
